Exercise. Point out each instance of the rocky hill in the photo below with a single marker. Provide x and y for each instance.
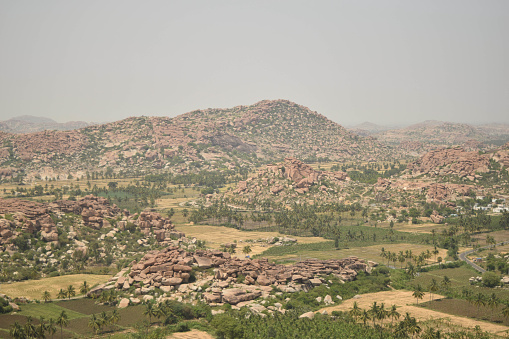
(209, 139)
(288, 180)
(31, 124)
(430, 134)
(460, 162)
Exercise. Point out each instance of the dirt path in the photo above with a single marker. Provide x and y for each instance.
(193, 334)
(405, 301)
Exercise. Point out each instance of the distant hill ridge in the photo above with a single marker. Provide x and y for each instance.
(269, 130)
(30, 124)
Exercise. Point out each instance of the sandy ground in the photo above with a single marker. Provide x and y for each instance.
(193, 334)
(405, 303)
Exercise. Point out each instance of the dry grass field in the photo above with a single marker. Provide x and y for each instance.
(405, 302)
(217, 235)
(367, 252)
(33, 289)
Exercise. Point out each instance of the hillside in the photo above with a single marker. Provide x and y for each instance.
(205, 139)
(429, 134)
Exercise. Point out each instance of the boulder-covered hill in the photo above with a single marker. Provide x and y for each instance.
(207, 139)
(429, 134)
(459, 162)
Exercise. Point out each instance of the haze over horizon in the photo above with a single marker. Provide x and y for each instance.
(389, 63)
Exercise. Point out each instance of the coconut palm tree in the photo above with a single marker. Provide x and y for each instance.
(46, 296)
(51, 328)
(365, 317)
(94, 323)
(479, 300)
(393, 313)
(30, 330)
(114, 317)
(17, 331)
(374, 312)
(70, 291)
(446, 283)
(493, 303)
(104, 319)
(42, 327)
(355, 311)
(62, 294)
(150, 311)
(84, 288)
(62, 320)
(418, 293)
(433, 287)
(505, 311)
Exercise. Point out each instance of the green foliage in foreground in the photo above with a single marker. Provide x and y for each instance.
(241, 324)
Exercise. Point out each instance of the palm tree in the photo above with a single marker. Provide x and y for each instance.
(84, 288)
(150, 311)
(446, 283)
(381, 313)
(365, 316)
(17, 331)
(105, 319)
(62, 320)
(355, 311)
(433, 287)
(62, 294)
(401, 258)
(246, 250)
(115, 317)
(393, 313)
(51, 328)
(30, 330)
(374, 311)
(42, 327)
(479, 300)
(94, 324)
(418, 293)
(46, 296)
(410, 269)
(505, 311)
(411, 325)
(70, 291)
(493, 303)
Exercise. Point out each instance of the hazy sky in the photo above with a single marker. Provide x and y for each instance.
(387, 62)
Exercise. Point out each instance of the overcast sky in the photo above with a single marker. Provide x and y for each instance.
(387, 62)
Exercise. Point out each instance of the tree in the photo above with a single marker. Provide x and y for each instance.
(374, 312)
(62, 321)
(493, 302)
(505, 311)
(17, 331)
(365, 317)
(433, 287)
(393, 313)
(246, 250)
(94, 324)
(46, 296)
(418, 293)
(115, 317)
(446, 283)
(479, 300)
(355, 311)
(490, 279)
(62, 294)
(70, 291)
(84, 288)
(150, 311)
(51, 328)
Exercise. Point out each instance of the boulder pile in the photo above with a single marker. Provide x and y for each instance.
(170, 270)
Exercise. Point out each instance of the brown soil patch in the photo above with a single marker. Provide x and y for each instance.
(193, 334)
(405, 303)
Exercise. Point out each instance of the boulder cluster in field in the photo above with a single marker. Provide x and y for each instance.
(232, 280)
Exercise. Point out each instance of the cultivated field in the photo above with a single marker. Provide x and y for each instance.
(405, 303)
(33, 289)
